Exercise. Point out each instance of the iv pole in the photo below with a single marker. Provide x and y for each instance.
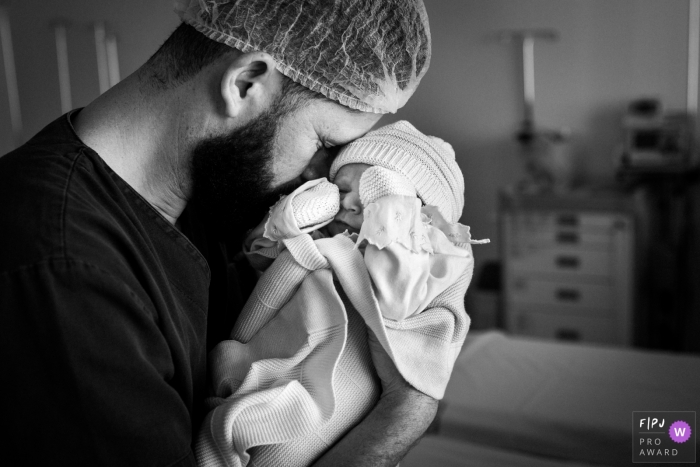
(527, 38)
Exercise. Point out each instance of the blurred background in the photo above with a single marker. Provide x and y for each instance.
(572, 120)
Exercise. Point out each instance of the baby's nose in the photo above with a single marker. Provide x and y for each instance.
(351, 202)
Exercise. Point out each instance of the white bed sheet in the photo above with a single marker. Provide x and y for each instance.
(563, 400)
(439, 451)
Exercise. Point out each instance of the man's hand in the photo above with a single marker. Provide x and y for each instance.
(394, 426)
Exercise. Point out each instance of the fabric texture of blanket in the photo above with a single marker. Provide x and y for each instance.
(297, 373)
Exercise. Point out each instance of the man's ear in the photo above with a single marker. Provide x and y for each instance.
(250, 80)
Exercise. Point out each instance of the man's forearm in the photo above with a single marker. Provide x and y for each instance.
(382, 439)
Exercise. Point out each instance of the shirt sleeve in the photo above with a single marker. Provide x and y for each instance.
(87, 372)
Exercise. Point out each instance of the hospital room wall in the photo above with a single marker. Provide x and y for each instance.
(140, 26)
(608, 53)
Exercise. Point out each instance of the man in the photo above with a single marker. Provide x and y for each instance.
(112, 271)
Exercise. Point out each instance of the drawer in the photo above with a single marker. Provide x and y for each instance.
(551, 228)
(529, 240)
(586, 297)
(561, 261)
(534, 221)
(565, 327)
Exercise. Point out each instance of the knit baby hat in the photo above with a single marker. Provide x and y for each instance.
(377, 182)
(426, 161)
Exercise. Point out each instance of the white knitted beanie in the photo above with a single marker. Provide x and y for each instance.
(377, 182)
(428, 162)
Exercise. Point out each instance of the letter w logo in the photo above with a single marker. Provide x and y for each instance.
(680, 431)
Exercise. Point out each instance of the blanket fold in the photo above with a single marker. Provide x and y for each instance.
(297, 373)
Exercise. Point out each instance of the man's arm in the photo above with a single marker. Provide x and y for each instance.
(395, 424)
(384, 437)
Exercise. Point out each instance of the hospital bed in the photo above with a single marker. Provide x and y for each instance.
(515, 401)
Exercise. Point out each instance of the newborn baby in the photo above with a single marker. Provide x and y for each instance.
(380, 249)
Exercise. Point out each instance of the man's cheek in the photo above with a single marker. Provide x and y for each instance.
(319, 165)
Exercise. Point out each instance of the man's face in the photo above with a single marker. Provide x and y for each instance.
(315, 131)
(237, 177)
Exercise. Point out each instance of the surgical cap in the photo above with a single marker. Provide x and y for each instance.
(368, 55)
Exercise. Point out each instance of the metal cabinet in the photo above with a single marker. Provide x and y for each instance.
(568, 266)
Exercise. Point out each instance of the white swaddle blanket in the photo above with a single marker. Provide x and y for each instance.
(297, 373)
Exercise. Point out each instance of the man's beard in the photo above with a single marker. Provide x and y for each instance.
(232, 176)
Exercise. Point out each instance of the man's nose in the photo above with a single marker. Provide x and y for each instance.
(320, 164)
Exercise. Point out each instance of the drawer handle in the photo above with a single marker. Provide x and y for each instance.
(568, 334)
(571, 262)
(568, 295)
(569, 220)
(567, 237)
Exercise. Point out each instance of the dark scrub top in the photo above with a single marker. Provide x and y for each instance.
(103, 313)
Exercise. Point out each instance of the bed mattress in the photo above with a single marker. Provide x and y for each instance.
(561, 400)
(439, 451)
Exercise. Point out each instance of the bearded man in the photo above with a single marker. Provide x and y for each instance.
(113, 269)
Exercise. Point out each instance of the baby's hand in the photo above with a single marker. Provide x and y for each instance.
(316, 205)
(309, 207)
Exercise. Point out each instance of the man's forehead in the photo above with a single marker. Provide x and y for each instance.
(342, 123)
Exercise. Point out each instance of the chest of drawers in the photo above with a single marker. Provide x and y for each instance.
(568, 266)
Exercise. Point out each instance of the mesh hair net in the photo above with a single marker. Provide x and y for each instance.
(368, 55)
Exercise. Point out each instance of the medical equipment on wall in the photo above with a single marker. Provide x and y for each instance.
(548, 154)
(656, 140)
(653, 138)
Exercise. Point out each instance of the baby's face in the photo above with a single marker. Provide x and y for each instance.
(350, 216)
